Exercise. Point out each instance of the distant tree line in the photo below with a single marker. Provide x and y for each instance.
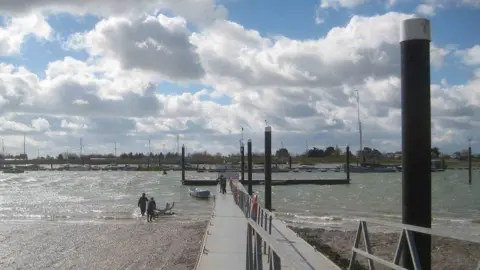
(282, 153)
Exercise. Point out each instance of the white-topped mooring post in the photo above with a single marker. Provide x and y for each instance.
(268, 168)
(415, 40)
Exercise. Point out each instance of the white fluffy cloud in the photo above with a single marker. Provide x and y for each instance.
(154, 44)
(303, 88)
(16, 30)
(470, 56)
(198, 11)
(429, 7)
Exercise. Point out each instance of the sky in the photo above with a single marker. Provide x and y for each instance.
(128, 71)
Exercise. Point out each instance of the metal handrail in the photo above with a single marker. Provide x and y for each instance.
(263, 216)
(255, 236)
(424, 230)
(405, 241)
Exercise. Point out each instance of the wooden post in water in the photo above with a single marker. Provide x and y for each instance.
(268, 168)
(469, 165)
(183, 163)
(347, 165)
(289, 162)
(249, 161)
(416, 136)
(242, 161)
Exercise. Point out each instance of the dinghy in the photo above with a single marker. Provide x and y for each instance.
(200, 193)
(164, 212)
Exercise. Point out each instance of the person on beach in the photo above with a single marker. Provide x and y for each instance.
(142, 203)
(150, 209)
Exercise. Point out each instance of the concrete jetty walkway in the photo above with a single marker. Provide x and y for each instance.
(226, 239)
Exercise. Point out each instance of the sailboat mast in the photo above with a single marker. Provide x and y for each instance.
(359, 123)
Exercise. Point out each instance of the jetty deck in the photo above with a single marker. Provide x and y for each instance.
(226, 239)
(286, 182)
(224, 245)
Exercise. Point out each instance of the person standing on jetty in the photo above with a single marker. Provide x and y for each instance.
(142, 203)
(151, 206)
(223, 184)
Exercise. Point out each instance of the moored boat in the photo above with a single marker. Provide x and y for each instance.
(199, 193)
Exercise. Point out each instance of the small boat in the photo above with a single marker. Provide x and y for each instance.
(295, 170)
(200, 193)
(13, 170)
(167, 211)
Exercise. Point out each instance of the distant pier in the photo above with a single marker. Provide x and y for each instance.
(286, 182)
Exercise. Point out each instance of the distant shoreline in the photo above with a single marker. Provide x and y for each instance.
(451, 163)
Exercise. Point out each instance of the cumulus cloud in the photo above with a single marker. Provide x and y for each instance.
(158, 44)
(470, 56)
(197, 11)
(17, 29)
(429, 7)
(303, 88)
(341, 3)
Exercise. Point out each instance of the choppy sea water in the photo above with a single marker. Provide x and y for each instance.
(99, 196)
(92, 196)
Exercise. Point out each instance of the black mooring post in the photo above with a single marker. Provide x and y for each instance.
(347, 165)
(183, 163)
(249, 161)
(416, 135)
(268, 168)
(470, 165)
(242, 161)
(290, 162)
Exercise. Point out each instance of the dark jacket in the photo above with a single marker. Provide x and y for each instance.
(151, 205)
(142, 202)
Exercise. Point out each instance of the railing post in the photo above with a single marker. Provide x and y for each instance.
(261, 217)
(277, 264)
(257, 218)
(249, 161)
(270, 233)
(249, 248)
(416, 134)
(258, 252)
(266, 229)
(268, 168)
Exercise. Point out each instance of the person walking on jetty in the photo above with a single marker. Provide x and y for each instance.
(151, 206)
(223, 184)
(142, 203)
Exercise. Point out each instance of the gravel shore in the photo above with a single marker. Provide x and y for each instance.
(447, 253)
(163, 244)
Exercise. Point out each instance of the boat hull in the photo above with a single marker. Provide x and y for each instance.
(199, 193)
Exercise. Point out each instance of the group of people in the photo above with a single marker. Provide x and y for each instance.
(223, 184)
(148, 205)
